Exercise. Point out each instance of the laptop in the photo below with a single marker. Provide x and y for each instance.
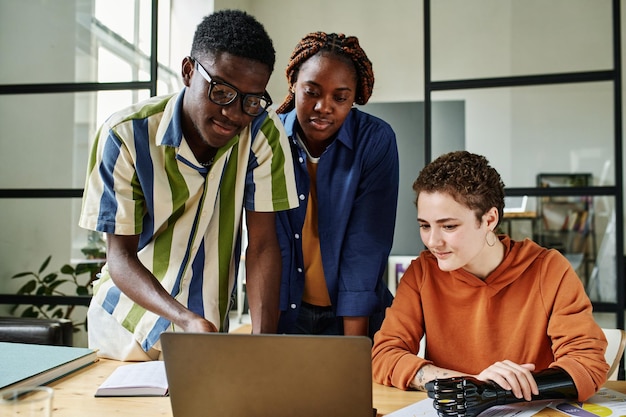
(245, 375)
(515, 204)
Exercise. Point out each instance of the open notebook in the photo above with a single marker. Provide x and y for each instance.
(243, 375)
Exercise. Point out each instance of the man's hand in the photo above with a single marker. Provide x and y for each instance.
(198, 325)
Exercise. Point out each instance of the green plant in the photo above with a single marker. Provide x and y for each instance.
(48, 283)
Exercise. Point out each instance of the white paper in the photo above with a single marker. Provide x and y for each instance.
(605, 403)
(420, 408)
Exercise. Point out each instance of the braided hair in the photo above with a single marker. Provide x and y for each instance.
(339, 44)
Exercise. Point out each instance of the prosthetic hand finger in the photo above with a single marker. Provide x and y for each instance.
(447, 389)
(461, 396)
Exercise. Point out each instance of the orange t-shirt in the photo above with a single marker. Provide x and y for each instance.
(315, 289)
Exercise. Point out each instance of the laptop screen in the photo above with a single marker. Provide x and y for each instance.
(515, 204)
(241, 375)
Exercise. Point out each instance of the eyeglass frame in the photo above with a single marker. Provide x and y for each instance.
(212, 83)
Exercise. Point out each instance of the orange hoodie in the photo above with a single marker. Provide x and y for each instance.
(531, 309)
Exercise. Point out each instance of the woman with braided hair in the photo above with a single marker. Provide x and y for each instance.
(335, 246)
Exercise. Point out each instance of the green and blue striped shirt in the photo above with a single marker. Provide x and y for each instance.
(143, 179)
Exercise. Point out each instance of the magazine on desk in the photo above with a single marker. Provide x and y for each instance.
(141, 379)
(605, 403)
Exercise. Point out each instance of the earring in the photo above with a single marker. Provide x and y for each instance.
(494, 240)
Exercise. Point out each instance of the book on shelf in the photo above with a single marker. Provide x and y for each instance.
(565, 219)
(141, 379)
(576, 220)
(25, 364)
(582, 223)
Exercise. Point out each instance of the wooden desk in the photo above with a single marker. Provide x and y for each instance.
(508, 218)
(74, 396)
(388, 399)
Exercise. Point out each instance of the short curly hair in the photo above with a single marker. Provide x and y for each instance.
(466, 177)
(346, 47)
(234, 32)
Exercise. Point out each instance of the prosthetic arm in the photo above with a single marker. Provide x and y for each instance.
(467, 396)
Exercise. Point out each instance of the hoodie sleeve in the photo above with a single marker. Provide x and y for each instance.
(578, 342)
(396, 344)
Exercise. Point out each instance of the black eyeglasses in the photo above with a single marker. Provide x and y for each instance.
(223, 94)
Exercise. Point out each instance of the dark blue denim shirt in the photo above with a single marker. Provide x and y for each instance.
(357, 188)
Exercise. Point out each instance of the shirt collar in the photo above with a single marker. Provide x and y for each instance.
(171, 133)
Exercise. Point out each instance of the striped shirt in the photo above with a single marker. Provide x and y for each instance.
(143, 179)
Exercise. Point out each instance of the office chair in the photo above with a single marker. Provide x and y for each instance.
(614, 350)
(37, 330)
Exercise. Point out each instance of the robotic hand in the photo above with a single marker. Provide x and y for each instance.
(467, 396)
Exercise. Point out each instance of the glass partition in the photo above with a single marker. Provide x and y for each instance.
(580, 227)
(50, 150)
(527, 130)
(496, 38)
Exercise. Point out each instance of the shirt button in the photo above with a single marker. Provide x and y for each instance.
(293, 306)
(297, 236)
(301, 197)
(301, 159)
(299, 269)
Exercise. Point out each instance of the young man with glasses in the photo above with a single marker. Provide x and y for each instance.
(167, 182)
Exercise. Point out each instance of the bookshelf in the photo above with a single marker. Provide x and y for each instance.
(566, 223)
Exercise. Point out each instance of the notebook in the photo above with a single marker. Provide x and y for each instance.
(24, 364)
(244, 375)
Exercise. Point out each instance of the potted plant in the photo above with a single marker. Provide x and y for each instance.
(55, 283)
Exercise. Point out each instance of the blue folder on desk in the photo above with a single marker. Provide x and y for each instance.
(243, 375)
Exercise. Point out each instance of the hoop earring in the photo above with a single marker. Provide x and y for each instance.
(495, 239)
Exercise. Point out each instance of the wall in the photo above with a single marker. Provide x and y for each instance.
(397, 56)
(184, 18)
(407, 120)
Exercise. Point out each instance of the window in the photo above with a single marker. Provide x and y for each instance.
(71, 64)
